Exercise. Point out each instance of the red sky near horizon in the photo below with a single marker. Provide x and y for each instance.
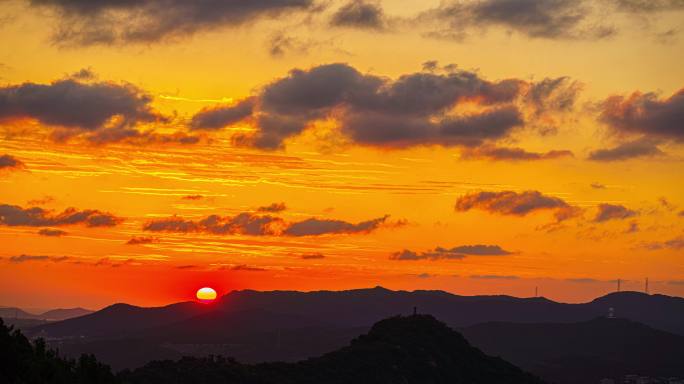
(478, 147)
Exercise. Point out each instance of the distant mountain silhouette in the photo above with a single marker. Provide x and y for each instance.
(362, 307)
(120, 320)
(583, 352)
(414, 349)
(51, 315)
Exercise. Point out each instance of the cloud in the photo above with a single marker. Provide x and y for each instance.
(633, 227)
(455, 253)
(608, 212)
(512, 154)
(222, 116)
(244, 223)
(28, 258)
(246, 268)
(641, 6)
(99, 112)
(51, 232)
(450, 108)
(547, 19)
(12, 215)
(516, 203)
(646, 114)
(186, 267)
(494, 277)
(141, 240)
(313, 256)
(273, 208)
(681, 213)
(193, 197)
(317, 227)
(597, 186)
(626, 151)
(87, 22)
(676, 243)
(8, 162)
(425, 276)
(359, 14)
(264, 225)
(583, 280)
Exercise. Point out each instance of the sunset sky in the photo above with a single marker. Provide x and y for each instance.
(478, 147)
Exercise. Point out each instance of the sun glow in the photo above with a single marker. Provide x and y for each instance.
(206, 295)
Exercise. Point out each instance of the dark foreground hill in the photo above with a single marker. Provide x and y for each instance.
(583, 352)
(412, 349)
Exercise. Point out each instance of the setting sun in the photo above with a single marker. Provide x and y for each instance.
(206, 294)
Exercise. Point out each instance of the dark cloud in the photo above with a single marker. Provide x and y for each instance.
(193, 197)
(246, 268)
(243, 223)
(598, 186)
(10, 162)
(646, 114)
(425, 276)
(186, 267)
(516, 203)
(263, 225)
(494, 277)
(633, 227)
(28, 258)
(512, 154)
(13, 215)
(583, 280)
(549, 19)
(99, 112)
(415, 109)
(455, 253)
(78, 106)
(222, 116)
(51, 232)
(681, 214)
(141, 240)
(626, 151)
(313, 256)
(676, 243)
(87, 22)
(359, 14)
(608, 212)
(273, 208)
(641, 6)
(317, 227)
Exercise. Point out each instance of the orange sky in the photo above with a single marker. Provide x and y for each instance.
(548, 155)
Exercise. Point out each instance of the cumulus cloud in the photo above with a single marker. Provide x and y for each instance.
(608, 212)
(512, 154)
(359, 14)
(516, 203)
(100, 112)
(8, 162)
(222, 116)
(50, 232)
(29, 258)
(275, 207)
(646, 114)
(87, 22)
(626, 151)
(263, 225)
(549, 19)
(455, 253)
(13, 215)
(450, 108)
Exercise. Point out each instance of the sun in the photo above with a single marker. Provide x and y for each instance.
(206, 295)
